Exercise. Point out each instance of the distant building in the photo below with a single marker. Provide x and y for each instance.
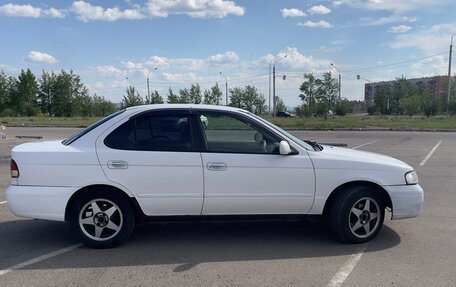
(358, 106)
(436, 85)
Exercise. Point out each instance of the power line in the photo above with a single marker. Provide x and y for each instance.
(392, 64)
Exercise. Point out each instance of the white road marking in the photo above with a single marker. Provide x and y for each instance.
(2, 202)
(39, 259)
(430, 154)
(356, 147)
(345, 271)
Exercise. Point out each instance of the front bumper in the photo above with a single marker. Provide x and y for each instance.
(407, 200)
(42, 202)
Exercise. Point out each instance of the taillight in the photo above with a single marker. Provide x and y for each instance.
(14, 169)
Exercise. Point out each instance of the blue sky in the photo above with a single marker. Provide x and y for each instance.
(113, 44)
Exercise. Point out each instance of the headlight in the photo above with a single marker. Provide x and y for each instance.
(411, 177)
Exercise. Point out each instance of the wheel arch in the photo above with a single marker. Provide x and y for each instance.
(341, 188)
(137, 209)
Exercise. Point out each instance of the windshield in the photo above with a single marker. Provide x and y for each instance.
(284, 132)
(82, 132)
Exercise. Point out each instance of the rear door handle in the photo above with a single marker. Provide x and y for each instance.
(117, 164)
(218, 166)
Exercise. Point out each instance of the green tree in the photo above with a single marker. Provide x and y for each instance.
(195, 96)
(45, 95)
(155, 98)
(382, 98)
(343, 107)
(132, 98)
(400, 90)
(101, 107)
(172, 98)
(4, 91)
(280, 105)
(308, 90)
(184, 96)
(411, 105)
(213, 96)
(260, 106)
(327, 90)
(236, 97)
(24, 100)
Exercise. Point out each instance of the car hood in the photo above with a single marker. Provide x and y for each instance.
(352, 165)
(347, 155)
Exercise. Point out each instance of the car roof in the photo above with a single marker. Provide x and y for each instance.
(183, 106)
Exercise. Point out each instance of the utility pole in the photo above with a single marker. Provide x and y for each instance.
(226, 88)
(273, 86)
(449, 77)
(148, 90)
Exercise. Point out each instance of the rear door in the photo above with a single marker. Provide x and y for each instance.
(153, 155)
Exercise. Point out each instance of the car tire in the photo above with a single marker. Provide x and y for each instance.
(102, 218)
(357, 215)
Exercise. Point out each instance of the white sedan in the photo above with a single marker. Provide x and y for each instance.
(137, 164)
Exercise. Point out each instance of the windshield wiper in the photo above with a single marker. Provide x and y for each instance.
(315, 145)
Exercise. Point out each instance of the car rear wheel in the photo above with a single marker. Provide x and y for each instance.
(102, 218)
(357, 215)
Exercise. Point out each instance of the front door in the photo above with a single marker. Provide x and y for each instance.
(244, 172)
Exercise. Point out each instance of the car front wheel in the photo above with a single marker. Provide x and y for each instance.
(102, 219)
(357, 215)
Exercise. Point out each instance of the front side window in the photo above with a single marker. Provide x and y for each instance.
(227, 133)
(170, 132)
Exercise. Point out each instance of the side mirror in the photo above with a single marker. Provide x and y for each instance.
(284, 148)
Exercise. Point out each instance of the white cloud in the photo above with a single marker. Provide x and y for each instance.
(319, 9)
(54, 13)
(311, 24)
(296, 60)
(184, 77)
(111, 71)
(27, 10)
(369, 21)
(227, 57)
(87, 12)
(40, 57)
(156, 61)
(399, 29)
(391, 5)
(429, 67)
(431, 40)
(293, 12)
(194, 8)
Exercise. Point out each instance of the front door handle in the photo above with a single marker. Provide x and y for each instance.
(218, 166)
(117, 164)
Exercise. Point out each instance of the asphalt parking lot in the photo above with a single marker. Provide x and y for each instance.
(412, 252)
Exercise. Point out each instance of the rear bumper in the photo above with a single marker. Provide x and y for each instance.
(407, 200)
(38, 201)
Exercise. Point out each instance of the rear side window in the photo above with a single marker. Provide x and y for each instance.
(170, 132)
(82, 132)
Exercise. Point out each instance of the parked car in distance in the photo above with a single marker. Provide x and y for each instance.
(166, 162)
(285, 115)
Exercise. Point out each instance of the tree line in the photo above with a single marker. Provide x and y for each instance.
(248, 98)
(402, 97)
(60, 95)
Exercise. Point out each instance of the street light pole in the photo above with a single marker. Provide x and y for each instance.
(449, 76)
(340, 84)
(148, 90)
(273, 85)
(270, 64)
(226, 88)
